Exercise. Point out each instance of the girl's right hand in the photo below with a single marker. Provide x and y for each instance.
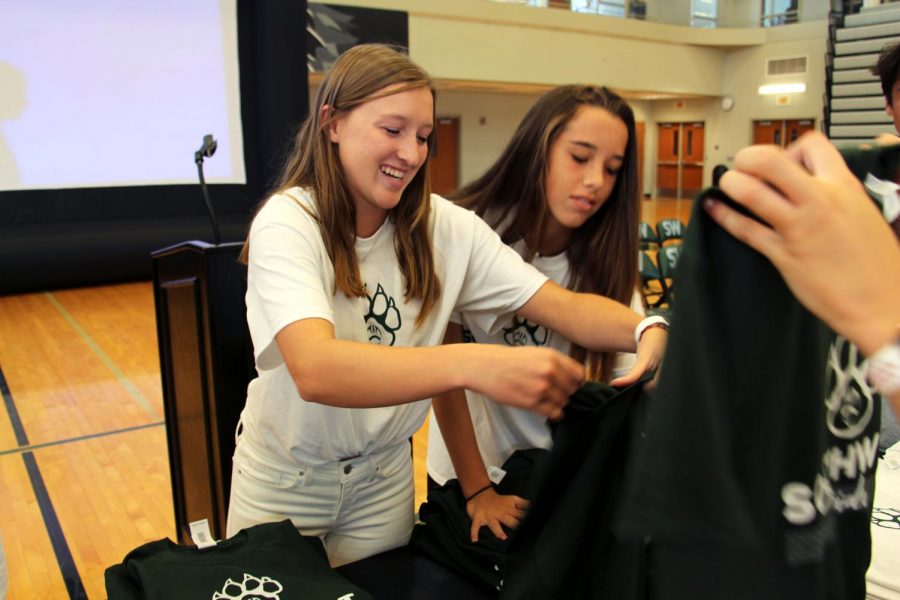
(539, 379)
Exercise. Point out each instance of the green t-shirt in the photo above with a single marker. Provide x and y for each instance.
(265, 561)
(756, 474)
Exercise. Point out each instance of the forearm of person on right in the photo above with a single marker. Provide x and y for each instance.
(345, 373)
(487, 507)
(597, 323)
(824, 235)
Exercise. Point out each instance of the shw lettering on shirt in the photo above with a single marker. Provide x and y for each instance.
(841, 483)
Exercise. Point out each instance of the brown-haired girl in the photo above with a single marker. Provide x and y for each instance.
(563, 194)
(353, 272)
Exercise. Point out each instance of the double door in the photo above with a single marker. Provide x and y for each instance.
(679, 160)
(781, 132)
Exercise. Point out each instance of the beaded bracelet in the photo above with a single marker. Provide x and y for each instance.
(647, 323)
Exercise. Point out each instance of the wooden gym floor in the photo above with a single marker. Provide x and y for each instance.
(84, 474)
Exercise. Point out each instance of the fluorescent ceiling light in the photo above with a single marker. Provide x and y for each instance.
(782, 88)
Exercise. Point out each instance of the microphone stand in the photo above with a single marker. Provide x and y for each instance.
(198, 158)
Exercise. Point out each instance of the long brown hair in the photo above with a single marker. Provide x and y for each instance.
(512, 193)
(359, 75)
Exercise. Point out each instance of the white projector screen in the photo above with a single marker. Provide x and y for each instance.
(100, 93)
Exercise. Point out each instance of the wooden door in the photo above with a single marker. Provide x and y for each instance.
(796, 127)
(445, 156)
(781, 133)
(679, 165)
(691, 159)
(667, 154)
(669, 136)
(768, 132)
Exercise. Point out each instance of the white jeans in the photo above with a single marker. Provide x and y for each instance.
(359, 507)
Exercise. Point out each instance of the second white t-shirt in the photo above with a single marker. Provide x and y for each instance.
(501, 429)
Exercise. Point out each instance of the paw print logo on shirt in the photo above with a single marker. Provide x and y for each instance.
(850, 403)
(523, 332)
(383, 318)
(889, 518)
(251, 588)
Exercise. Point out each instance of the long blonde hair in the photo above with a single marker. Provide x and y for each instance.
(603, 252)
(359, 75)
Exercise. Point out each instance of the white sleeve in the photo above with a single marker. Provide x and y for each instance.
(498, 282)
(288, 278)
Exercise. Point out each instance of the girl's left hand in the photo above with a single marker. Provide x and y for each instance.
(650, 353)
(493, 510)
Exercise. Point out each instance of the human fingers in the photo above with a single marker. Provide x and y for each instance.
(753, 233)
(570, 373)
(651, 385)
(637, 370)
(632, 376)
(514, 376)
(887, 139)
(564, 377)
(818, 156)
(496, 522)
(511, 508)
(628, 378)
(510, 520)
(497, 529)
(760, 198)
(651, 348)
(556, 395)
(775, 167)
(649, 354)
(553, 412)
(477, 524)
(517, 504)
(547, 409)
(491, 509)
(882, 139)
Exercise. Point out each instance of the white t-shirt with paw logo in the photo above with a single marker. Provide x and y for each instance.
(501, 429)
(291, 277)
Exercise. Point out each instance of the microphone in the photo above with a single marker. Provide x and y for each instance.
(207, 149)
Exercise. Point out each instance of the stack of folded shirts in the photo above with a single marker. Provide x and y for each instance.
(265, 561)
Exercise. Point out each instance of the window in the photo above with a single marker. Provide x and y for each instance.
(704, 13)
(634, 9)
(778, 12)
(610, 8)
(538, 3)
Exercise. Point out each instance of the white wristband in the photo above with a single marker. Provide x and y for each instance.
(644, 325)
(884, 369)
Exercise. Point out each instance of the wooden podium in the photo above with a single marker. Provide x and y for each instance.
(206, 362)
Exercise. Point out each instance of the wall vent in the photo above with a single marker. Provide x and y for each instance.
(794, 65)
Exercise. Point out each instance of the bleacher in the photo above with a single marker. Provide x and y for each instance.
(854, 102)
